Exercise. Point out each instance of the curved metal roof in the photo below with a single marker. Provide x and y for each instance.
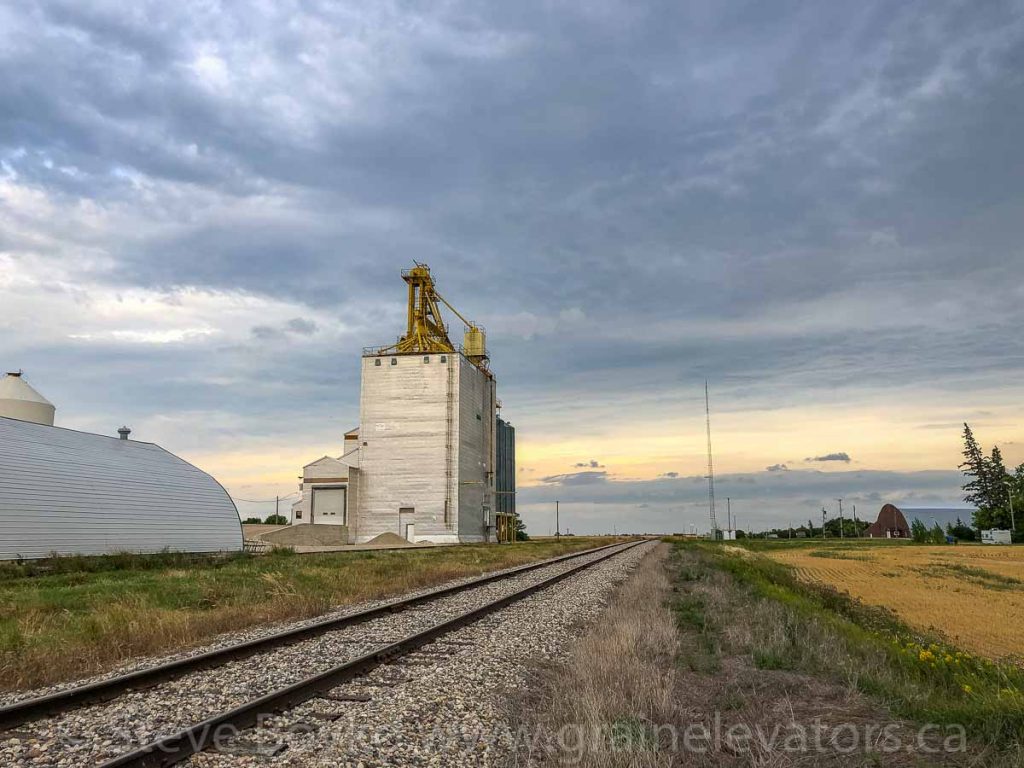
(69, 492)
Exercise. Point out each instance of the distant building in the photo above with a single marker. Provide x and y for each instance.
(891, 524)
(893, 519)
(996, 536)
(505, 468)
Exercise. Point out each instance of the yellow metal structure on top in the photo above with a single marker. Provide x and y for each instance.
(426, 332)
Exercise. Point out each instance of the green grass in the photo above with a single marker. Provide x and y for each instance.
(986, 579)
(66, 618)
(823, 632)
(836, 554)
(689, 607)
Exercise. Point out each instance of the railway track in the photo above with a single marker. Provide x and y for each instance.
(458, 606)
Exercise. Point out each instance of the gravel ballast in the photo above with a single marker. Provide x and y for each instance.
(90, 735)
(443, 705)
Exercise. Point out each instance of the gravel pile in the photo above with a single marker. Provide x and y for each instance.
(90, 735)
(441, 706)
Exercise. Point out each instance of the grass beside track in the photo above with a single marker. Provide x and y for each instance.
(815, 629)
(70, 618)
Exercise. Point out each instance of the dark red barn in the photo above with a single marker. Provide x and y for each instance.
(891, 524)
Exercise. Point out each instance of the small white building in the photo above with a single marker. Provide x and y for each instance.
(324, 494)
(996, 536)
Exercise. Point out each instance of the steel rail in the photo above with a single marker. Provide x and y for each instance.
(173, 749)
(27, 710)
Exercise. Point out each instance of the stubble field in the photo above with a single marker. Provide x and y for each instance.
(972, 595)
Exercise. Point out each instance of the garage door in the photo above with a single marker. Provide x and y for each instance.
(329, 506)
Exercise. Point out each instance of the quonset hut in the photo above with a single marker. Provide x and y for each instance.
(67, 492)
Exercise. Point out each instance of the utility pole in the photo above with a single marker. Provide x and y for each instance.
(823, 522)
(841, 534)
(856, 528)
(728, 513)
(277, 506)
(1013, 522)
(558, 528)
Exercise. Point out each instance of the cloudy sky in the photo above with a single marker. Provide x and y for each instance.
(819, 208)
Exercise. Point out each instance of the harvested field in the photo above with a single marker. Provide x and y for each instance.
(971, 595)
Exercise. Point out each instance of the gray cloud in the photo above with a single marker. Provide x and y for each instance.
(600, 188)
(592, 464)
(837, 456)
(301, 326)
(576, 478)
(777, 468)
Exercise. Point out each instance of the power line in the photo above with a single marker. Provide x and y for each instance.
(265, 501)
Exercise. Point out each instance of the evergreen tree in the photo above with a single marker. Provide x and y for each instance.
(997, 470)
(996, 512)
(961, 531)
(974, 467)
(986, 487)
(936, 535)
(919, 531)
(1016, 490)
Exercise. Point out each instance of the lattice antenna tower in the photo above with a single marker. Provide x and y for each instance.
(711, 466)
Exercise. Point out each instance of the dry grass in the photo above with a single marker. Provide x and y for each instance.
(971, 595)
(771, 668)
(597, 708)
(75, 622)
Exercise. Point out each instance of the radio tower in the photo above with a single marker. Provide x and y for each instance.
(711, 466)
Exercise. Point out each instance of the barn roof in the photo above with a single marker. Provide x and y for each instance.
(69, 492)
(890, 519)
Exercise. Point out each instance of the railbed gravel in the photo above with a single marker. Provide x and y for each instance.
(90, 735)
(442, 705)
(233, 638)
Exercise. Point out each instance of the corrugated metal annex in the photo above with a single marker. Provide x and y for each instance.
(69, 492)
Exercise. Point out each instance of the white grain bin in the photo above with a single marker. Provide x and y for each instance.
(18, 400)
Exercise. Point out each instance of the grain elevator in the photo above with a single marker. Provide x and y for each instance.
(421, 464)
